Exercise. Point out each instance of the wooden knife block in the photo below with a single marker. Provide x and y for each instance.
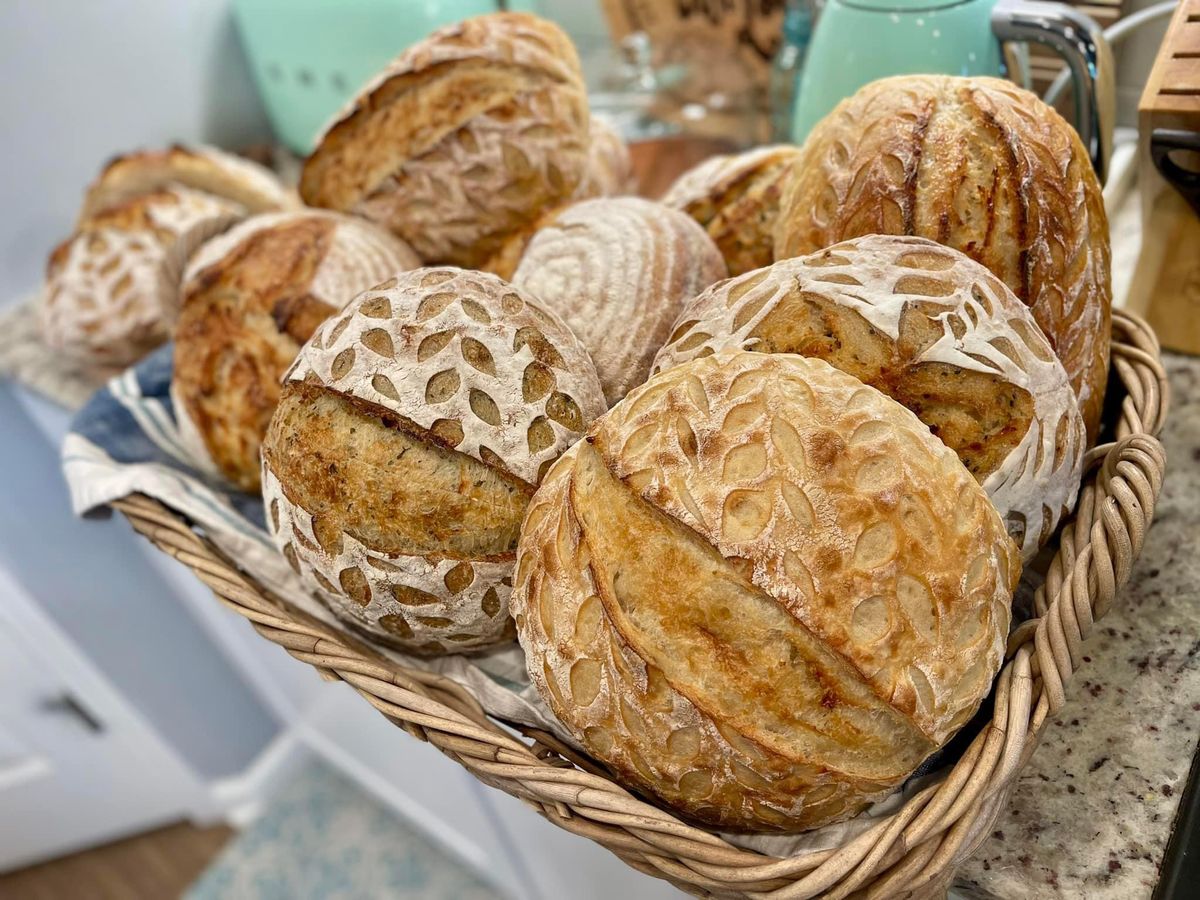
(1166, 283)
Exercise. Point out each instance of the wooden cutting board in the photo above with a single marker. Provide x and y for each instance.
(1166, 283)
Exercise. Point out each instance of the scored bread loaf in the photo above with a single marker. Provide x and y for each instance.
(736, 198)
(462, 141)
(932, 329)
(112, 289)
(618, 270)
(762, 591)
(251, 297)
(980, 165)
(200, 168)
(410, 433)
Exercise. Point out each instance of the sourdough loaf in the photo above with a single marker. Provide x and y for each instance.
(112, 289)
(618, 270)
(200, 168)
(462, 141)
(410, 433)
(609, 171)
(736, 198)
(251, 297)
(762, 591)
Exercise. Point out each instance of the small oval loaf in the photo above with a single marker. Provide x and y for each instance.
(410, 434)
(932, 329)
(462, 141)
(618, 270)
(736, 198)
(980, 165)
(762, 591)
(112, 289)
(251, 297)
(200, 168)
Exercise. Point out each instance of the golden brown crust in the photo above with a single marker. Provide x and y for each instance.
(762, 591)
(247, 310)
(200, 168)
(112, 289)
(412, 430)
(736, 199)
(397, 489)
(984, 167)
(463, 140)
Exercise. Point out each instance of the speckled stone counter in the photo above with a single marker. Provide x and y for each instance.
(1092, 813)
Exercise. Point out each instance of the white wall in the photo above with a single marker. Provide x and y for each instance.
(85, 79)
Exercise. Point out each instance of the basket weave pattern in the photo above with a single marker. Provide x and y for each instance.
(911, 852)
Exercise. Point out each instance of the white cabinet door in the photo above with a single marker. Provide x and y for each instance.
(77, 766)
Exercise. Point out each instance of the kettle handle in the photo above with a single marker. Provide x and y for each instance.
(1077, 38)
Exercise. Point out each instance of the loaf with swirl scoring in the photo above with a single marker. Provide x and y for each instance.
(618, 270)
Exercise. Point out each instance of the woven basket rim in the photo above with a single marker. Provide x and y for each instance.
(911, 851)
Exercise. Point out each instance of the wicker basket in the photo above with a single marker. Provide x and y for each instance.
(911, 852)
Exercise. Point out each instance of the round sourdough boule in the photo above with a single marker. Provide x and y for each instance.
(200, 168)
(980, 165)
(410, 434)
(736, 198)
(762, 591)
(251, 297)
(933, 330)
(462, 141)
(618, 270)
(112, 289)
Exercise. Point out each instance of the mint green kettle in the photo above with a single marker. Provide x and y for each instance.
(859, 41)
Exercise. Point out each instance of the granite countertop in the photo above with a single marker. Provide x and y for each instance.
(1092, 813)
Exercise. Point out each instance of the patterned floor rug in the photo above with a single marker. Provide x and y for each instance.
(322, 838)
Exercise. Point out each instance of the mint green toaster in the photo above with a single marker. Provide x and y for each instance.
(308, 57)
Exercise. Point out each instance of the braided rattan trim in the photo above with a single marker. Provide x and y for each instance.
(909, 853)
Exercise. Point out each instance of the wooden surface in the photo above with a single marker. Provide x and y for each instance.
(659, 162)
(1166, 283)
(153, 866)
